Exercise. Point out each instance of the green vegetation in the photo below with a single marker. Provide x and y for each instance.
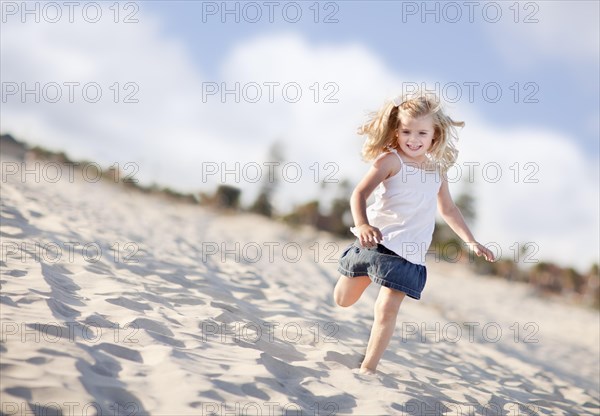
(547, 278)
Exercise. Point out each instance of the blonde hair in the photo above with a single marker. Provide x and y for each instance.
(381, 127)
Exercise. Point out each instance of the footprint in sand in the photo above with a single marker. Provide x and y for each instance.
(129, 304)
(121, 352)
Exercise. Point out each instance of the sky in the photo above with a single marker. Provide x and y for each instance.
(154, 84)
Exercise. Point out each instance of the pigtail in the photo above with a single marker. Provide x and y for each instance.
(379, 131)
(444, 150)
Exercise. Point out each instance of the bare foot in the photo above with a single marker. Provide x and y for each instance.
(367, 371)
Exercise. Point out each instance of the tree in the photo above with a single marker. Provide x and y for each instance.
(263, 204)
(340, 210)
(227, 196)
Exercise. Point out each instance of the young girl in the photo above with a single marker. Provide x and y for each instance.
(413, 143)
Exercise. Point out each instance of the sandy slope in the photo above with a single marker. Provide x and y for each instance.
(181, 327)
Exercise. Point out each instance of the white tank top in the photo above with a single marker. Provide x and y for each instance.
(404, 210)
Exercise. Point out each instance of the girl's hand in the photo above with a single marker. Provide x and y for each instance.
(481, 250)
(368, 235)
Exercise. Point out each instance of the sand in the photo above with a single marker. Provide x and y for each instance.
(188, 311)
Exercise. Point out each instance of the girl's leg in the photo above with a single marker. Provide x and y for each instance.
(348, 290)
(386, 310)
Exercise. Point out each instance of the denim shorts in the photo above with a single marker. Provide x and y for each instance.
(383, 267)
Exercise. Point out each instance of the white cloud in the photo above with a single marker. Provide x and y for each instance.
(171, 130)
(547, 193)
(567, 32)
(103, 53)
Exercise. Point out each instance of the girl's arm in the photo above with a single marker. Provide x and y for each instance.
(453, 217)
(382, 168)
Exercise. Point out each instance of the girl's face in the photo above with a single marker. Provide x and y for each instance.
(415, 137)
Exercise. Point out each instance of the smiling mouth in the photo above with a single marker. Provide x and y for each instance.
(414, 147)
